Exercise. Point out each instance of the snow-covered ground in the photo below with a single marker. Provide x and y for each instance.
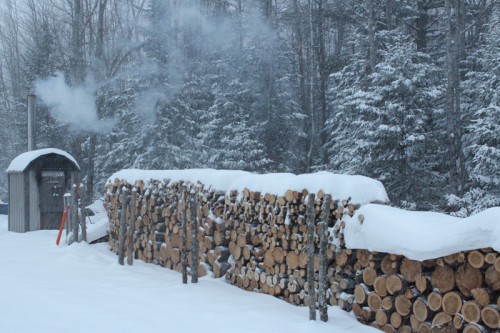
(81, 288)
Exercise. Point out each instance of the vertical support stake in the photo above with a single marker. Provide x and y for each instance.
(311, 219)
(74, 213)
(323, 244)
(183, 207)
(130, 244)
(195, 259)
(121, 235)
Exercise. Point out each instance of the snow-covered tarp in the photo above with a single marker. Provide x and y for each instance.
(360, 189)
(21, 162)
(421, 235)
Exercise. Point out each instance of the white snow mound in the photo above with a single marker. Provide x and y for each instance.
(421, 235)
(360, 189)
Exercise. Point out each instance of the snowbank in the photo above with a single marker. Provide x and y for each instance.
(361, 189)
(421, 235)
(97, 225)
(22, 161)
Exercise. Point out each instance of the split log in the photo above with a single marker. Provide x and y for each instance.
(474, 328)
(380, 286)
(458, 321)
(374, 301)
(361, 293)
(481, 295)
(424, 328)
(492, 278)
(421, 309)
(388, 266)
(443, 279)
(471, 312)
(388, 303)
(452, 303)
(403, 305)
(434, 301)
(441, 319)
(468, 278)
(475, 259)
(490, 317)
(396, 320)
(381, 317)
(423, 283)
(369, 276)
(410, 269)
(394, 284)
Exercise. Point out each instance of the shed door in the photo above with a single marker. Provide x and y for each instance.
(51, 199)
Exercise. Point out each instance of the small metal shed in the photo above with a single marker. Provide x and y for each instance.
(38, 180)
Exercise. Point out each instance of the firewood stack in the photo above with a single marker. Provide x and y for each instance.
(257, 241)
(459, 292)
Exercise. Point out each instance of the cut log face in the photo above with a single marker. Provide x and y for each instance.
(443, 278)
(435, 301)
(474, 328)
(374, 301)
(361, 293)
(468, 278)
(380, 286)
(369, 276)
(420, 309)
(441, 319)
(403, 305)
(381, 317)
(396, 320)
(410, 269)
(452, 303)
(476, 259)
(492, 277)
(490, 317)
(481, 295)
(394, 283)
(471, 312)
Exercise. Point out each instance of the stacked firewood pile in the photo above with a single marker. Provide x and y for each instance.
(257, 241)
(459, 292)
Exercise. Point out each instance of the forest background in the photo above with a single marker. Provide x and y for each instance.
(407, 92)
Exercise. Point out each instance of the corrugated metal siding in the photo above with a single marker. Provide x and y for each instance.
(34, 207)
(17, 203)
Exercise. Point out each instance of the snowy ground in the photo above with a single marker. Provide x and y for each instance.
(81, 288)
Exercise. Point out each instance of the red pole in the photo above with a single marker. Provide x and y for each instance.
(63, 220)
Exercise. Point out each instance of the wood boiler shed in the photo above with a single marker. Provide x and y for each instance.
(38, 180)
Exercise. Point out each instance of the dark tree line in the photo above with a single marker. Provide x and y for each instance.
(406, 92)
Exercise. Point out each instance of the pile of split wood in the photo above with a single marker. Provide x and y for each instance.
(257, 241)
(454, 293)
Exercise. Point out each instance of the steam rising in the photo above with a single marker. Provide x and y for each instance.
(74, 106)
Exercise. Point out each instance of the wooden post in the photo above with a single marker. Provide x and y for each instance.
(195, 259)
(323, 244)
(67, 202)
(74, 212)
(311, 217)
(121, 235)
(183, 207)
(130, 244)
(83, 205)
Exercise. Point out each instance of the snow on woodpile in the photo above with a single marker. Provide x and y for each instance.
(421, 235)
(360, 189)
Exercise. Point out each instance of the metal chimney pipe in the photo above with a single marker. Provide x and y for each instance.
(31, 122)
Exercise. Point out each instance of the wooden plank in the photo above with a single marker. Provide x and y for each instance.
(323, 244)
(131, 227)
(311, 216)
(121, 233)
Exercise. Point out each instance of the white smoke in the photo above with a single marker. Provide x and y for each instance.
(74, 106)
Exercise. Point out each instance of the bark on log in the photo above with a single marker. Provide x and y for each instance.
(481, 295)
(441, 319)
